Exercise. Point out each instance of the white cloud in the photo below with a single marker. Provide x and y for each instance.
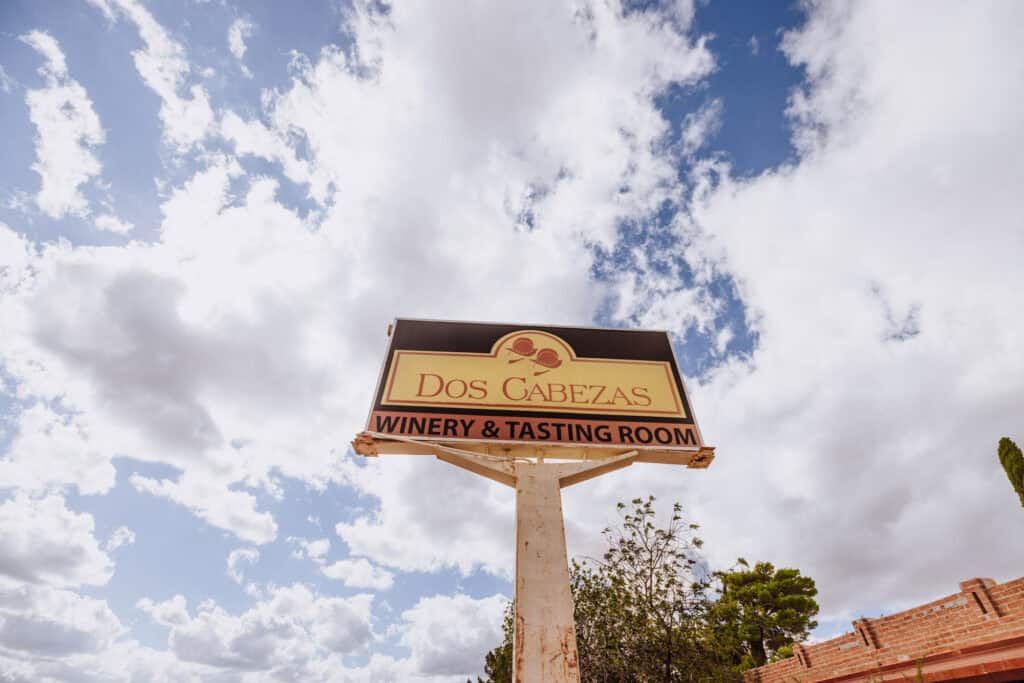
(56, 66)
(239, 30)
(43, 622)
(164, 67)
(722, 339)
(122, 536)
(231, 510)
(118, 660)
(42, 541)
(411, 532)
(104, 7)
(353, 573)
(16, 256)
(652, 291)
(292, 634)
(67, 128)
(235, 559)
(359, 573)
(701, 125)
(172, 612)
(112, 223)
(50, 449)
(315, 550)
(254, 138)
(449, 635)
(117, 293)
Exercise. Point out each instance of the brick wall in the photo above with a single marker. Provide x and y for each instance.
(978, 632)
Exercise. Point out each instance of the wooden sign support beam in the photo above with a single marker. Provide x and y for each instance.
(544, 647)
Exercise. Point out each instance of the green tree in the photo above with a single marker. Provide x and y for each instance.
(641, 610)
(762, 611)
(1013, 463)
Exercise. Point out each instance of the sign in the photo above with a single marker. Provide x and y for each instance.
(540, 385)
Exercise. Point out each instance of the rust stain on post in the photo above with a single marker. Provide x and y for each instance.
(517, 649)
(570, 655)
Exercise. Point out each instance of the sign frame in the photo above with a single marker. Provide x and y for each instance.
(371, 442)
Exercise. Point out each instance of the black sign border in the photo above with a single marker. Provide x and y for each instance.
(412, 334)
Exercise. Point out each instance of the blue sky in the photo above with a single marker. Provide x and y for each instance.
(209, 211)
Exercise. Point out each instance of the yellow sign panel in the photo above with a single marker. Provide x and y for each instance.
(532, 371)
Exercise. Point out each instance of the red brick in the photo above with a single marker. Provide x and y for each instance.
(929, 632)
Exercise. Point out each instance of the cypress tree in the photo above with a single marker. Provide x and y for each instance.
(1013, 462)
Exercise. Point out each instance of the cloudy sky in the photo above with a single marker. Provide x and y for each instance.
(210, 210)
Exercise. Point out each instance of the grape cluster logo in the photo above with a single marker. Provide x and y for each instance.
(523, 348)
